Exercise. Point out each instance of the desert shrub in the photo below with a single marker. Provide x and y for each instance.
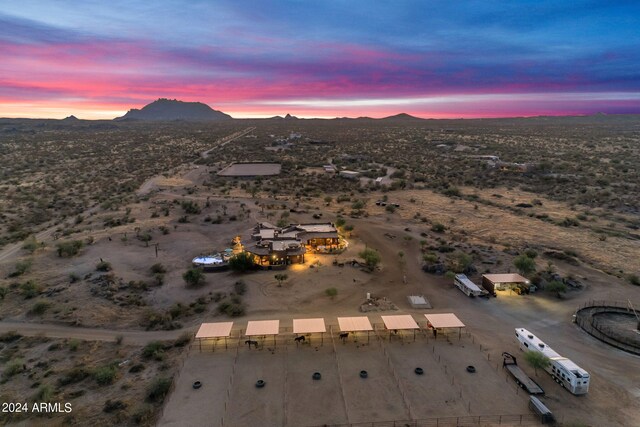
(39, 308)
(430, 258)
(29, 289)
(74, 344)
(331, 292)
(190, 207)
(194, 277)
(438, 228)
(21, 268)
(452, 192)
(74, 375)
(138, 367)
(569, 222)
(240, 287)
(556, 287)
(340, 222)
(105, 375)
(235, 310)
(103, 266)
(143, 415)
(10, 336)
(241, 262)
(114, 405)
(13, 367)
(30, 245)
(178, 310)
(44, 394)
(158, 268)
(69, 248)
(3, 292)
(524, 264)
(531, 253)
(634, 279)
(154, 349)
(183, 340)
(450, 274)
(158, 389)
(371, 257)
(73, 277)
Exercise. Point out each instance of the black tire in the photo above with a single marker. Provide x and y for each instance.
(419, 371)
(364, 374)
(316, 376)
(260, 383)
(471, 369)
(197, 385)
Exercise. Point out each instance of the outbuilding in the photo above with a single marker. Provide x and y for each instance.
(503, 282)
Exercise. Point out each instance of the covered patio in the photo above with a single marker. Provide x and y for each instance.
(262, 329)
(306, 327)
(213, 332)
(444, 321)
(402, 322)
(354, 325)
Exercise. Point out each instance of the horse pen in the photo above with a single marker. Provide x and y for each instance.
(361, 378)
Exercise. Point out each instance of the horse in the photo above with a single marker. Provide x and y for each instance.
(298, 339)
(249, 342)
(344, 336)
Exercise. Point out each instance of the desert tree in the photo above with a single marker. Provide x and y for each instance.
(537, 360)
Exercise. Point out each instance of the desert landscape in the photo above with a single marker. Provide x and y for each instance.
(100, 221)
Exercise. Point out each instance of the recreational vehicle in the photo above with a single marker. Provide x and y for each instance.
(564, 371)
(467, 286)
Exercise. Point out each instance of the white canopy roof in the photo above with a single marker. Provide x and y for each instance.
(263, 327)
(308, 326)
(444, 320)
(354, 324)
(403, 321)
(214, 330)
(505, 278)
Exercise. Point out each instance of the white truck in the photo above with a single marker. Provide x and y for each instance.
(470, 289)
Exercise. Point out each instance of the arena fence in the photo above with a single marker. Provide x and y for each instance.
(584, 317)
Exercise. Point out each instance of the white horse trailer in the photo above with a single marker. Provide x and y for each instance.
(564, 371)
(463, 283)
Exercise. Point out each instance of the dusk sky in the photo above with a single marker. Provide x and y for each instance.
(440, 59)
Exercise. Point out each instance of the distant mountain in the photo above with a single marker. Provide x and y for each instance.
(71, 119)
(402, 116)
(171, 109)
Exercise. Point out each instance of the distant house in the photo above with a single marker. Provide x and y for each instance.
(349, 174)
(276, 246)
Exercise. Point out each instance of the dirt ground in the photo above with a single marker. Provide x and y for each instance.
(615, 375)
(391, 391)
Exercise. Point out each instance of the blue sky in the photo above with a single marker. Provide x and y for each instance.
(333, 58)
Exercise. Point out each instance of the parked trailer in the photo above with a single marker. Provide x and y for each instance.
(510, 363)
(546, 417)
(562, 370)
(470, 289)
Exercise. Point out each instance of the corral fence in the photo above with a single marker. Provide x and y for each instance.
(478, 420)
(584, 317)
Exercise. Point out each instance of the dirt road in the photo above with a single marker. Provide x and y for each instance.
(90, 334)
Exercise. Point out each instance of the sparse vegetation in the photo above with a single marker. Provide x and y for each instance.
(371, 257)
(69, 248)
(194, 277)
(524, 264)
(537, 360)
(241, 262)
(331, 292)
